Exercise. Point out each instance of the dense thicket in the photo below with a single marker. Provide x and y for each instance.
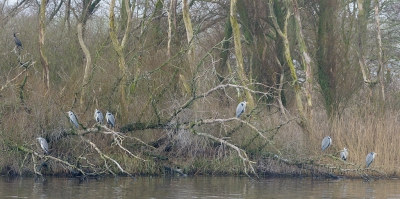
(172, 72)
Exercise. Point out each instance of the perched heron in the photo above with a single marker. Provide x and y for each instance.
(98, 116)
(73, 119)
(17, 41)
(110, 119)
(369, 159)
(240, 108)
(326, 142)
(344, 154)
(43, 144)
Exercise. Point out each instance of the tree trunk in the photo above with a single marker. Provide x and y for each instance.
(306, 60)
(119, 48)
(42, 31)
(288, 61)
(327, 60)
(362, 18)
(381, 68)
(88, 65)
(238, 51)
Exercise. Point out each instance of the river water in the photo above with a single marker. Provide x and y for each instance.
(196, 187)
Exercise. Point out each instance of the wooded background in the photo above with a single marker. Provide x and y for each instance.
(173, 71)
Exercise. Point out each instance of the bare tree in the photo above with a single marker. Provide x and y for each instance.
(119, 48)
(42, 33)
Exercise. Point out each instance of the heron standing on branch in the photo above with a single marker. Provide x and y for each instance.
(326, 142)
(43, 144)
(370, 158)
(110, 119)
(17, 41)
(73, 119)
(98, 116)
(344, 154)
(240, 108)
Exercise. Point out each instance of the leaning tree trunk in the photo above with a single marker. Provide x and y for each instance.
(43, 58)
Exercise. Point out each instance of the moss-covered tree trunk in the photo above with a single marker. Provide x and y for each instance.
(283, 34)
(42, 33)
(119, 48)
(222, 69)
(305, 58)
(238, 51)
(326, 54)
(191, 48)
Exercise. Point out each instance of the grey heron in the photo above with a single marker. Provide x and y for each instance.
(369, 159)
(17, 41)
(344, 154)
(110, 119)
(326, 142)
(43, 144)
(73, 118)
(240, 108)
(98, 116)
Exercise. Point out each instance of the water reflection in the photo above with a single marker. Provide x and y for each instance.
(196, 187)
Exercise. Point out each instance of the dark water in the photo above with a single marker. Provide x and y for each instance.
(196, 187)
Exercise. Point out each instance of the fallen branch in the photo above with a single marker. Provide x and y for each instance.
(104, 156)
(241, 153)
(211, 121)
(34, 153)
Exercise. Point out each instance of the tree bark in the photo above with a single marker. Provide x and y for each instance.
(119, 48)
(381, 67)
(238, 50)
(288, 61)
(189, 32)
(306, 59)
(362, 17)
(42, 32)
(88, 65)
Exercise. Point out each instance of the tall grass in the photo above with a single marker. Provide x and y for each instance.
(153, 97)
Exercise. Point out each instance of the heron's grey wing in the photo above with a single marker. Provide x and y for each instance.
(343, 155)
(45, 145)
(74, 120)
(239, 109)
(112, 120)
(324, 143)
(369, 160)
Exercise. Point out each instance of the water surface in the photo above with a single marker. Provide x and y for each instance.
(196, 187)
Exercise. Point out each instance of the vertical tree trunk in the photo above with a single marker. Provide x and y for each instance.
(119, 48)
(288, 61)
(362, 16)
(238, 50)
(42, 32)
(221, 69)
(191, 50)
(327, 60)
(189, 32)
(88, 65)
(381, 68)
(169, 28)
(306, 59)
